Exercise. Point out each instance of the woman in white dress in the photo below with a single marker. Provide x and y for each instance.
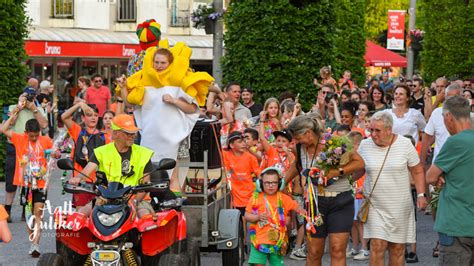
(406, 120)
(391, 219)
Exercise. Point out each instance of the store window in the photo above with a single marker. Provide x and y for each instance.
(88, 68)
(42, 70)
(65, 83)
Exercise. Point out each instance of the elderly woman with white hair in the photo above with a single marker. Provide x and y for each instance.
(389, 160)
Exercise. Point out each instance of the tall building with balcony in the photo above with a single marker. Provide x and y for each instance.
(72, 38)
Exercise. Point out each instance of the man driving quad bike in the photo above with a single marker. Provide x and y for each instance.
(124, 162)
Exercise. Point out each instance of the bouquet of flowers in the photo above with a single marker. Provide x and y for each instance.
(336, 152)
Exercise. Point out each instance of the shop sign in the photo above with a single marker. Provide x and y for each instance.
(75, 49)
(396, 30)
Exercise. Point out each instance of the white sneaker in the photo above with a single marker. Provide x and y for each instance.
(298, 254)
(34, 250)
(362, 255)
(351, 253)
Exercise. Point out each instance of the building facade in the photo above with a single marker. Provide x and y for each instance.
(72, 38)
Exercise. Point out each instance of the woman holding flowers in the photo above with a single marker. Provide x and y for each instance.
(389, 161)
(328, 198)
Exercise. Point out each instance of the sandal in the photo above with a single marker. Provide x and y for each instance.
(436, 250)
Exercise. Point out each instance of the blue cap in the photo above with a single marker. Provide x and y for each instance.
(29, 90)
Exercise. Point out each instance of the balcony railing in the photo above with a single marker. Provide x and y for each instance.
(63, 8)
(180, 18)
(126, 10)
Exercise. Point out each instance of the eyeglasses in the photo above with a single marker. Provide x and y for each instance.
(411, 86)
(97, 81)
(128, 134)
(372, 130)
(270, 184)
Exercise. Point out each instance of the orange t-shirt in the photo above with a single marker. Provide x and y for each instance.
(288, 205)
(27, 151)
(272, 157)
(240, 170)
(74, 132)
(3, 213)
(358, 185)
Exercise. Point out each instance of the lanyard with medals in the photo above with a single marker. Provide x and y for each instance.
(274, 221)
(85, 141)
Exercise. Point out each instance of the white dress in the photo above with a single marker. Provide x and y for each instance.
(391, 215)
(163, 126)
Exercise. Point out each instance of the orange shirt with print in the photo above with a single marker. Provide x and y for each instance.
(288, 204)
(22, 148)
(240, 171)
(74, 132)
(272, 157)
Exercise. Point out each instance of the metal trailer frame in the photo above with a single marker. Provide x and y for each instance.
(212, 223)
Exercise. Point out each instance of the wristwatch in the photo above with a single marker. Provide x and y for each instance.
(419, 195)
(341, 171)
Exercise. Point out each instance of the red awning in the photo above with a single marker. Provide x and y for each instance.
(378, 56)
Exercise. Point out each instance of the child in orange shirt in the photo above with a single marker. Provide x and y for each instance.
(253, 145)
(268, 212)
(241, 168)
(86, 139)
(30, 173)
(279, 154)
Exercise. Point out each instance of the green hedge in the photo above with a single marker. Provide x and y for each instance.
(273, 47)
(350, 39)
(277, 47)
(448, 41)
(13, 29)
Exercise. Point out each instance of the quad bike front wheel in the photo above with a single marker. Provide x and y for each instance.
(50, 259)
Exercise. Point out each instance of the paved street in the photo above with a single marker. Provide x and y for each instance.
(16, 252)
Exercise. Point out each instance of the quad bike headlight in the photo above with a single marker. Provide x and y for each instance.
(109, 219)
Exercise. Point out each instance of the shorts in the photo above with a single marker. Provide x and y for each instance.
(357, 204)
(337, 213)
(300, 200)
(10, 161)
(38, 196)
(257, 257)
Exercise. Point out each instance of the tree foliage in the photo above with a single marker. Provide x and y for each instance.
(349, 36)
(13, 29)
(277, 47)
(448, 42)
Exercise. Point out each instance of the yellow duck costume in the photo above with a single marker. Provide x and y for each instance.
(163, 126)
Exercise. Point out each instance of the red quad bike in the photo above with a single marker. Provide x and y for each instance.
(114, 235)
